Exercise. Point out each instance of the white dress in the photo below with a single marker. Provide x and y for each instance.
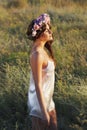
(48, 78)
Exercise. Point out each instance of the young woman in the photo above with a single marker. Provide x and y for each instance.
(40, 95)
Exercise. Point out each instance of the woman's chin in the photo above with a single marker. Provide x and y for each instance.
(51, 41)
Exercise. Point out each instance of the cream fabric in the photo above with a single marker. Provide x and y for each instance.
(48, 78)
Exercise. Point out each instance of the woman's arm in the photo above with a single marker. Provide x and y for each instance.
(36, 65)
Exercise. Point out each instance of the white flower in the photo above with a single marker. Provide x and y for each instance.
(34, 33)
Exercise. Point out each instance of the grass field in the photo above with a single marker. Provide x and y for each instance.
(69, 26)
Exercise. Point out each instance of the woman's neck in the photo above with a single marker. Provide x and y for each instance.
(39, 44)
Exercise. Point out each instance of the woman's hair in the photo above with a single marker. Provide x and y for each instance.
(39, 32)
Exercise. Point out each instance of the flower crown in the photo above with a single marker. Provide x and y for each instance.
(44, 18)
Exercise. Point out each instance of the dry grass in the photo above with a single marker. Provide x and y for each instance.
(69, 22)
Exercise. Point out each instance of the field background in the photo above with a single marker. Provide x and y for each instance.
(69, 20)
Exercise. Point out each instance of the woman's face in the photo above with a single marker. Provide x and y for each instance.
(47, 34)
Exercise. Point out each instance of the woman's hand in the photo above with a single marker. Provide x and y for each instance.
(47, 118)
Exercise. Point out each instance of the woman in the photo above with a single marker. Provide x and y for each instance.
(40, 95)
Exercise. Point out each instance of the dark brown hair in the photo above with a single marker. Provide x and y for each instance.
(39, 32)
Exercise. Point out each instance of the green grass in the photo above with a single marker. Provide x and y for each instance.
(69, 20)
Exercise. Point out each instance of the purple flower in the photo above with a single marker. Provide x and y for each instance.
(44, 18)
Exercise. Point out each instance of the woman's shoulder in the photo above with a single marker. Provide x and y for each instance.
(36, 52)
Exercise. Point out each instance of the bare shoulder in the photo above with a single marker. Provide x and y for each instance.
(36, 55)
